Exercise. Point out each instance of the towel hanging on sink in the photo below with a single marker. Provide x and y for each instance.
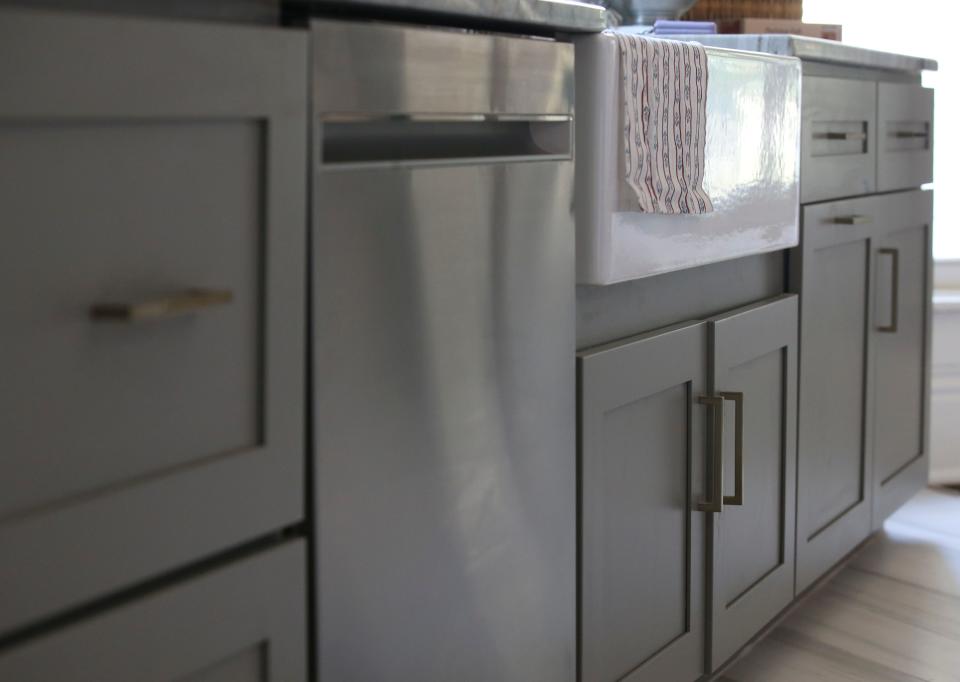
(664, 94)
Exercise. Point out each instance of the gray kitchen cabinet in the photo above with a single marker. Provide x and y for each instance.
(832, 270)
(642, 555)
(242, 622)
(863, 270)
(904, 136)
(838, 138)
(754, 371)
(900, 334)
(152, 291)
(654, 434)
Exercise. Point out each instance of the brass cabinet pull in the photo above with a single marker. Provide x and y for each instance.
(714, 502)
(736, 499)
(894, 293)
(909, 134)
(839, 136)
(189, 301)
(852, 220)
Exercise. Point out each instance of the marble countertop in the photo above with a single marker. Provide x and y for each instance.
(560, 15)
(816, 49)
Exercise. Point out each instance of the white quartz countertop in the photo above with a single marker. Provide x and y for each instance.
(816, 49)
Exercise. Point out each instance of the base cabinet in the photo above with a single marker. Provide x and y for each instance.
(863, 274)
(901, 342)
(243, 622)
(152, 291)
(686, 460)
(754, 370)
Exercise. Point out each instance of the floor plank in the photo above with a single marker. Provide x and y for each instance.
(891, 615)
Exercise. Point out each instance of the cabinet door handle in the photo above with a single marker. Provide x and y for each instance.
(714, 502)
(852, 220)
(839, 136)
(736, 499)
(894, 292)
(189, 301)
(909, 134)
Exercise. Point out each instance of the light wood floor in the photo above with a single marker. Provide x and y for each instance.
(891, 615)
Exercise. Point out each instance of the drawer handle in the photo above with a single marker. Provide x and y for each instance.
(894, 291)
(909, 134)
(736, 499)
(840, 136)
(714, 502)
(852, 220)
(189, 301)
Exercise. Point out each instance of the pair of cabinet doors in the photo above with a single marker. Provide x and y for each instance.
(864, 272)
(687, 493)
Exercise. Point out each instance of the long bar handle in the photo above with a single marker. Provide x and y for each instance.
(852, 219)
(189, 301)
(736, 499)
(714, 502)
(910, 134)
(839, 136)
(894, 293)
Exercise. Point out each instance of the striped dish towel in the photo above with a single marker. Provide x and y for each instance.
(664, 122)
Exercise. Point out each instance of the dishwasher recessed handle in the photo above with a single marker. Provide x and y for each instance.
(426, 139)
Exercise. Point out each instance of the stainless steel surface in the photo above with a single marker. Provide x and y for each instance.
(444, 410)
(565, 15)
(648, 11)
(816, 49)
(436, 72)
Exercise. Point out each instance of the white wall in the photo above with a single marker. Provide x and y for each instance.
(945, 383)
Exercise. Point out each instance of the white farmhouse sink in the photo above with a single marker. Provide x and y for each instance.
(752, 168)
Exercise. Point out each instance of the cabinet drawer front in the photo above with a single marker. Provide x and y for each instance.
(642, 449)
(152, 282)
(243, 622)
(838, 138)
(905, 136)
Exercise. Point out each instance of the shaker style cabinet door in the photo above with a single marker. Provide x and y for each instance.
(900, 332)
(243, 622)
(152, 178)
(754, 372)
(832, 272)
(642, 446)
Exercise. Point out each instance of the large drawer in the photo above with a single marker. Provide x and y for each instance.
(243, 622)
(839, 156)
(151, 289)
(905, 136)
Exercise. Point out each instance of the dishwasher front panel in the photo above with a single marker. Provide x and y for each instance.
(444, 435)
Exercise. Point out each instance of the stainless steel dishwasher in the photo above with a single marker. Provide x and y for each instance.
(443, 355)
